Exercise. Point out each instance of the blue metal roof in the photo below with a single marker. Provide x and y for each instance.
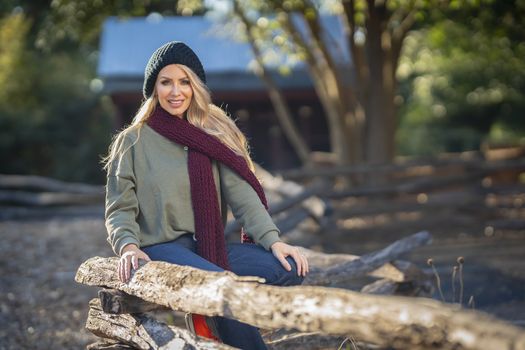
(126, 45)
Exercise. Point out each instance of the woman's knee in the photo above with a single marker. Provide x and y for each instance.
(289, 278)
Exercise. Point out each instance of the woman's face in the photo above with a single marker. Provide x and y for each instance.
(174, 90)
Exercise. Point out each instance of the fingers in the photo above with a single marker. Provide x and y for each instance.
(282, 250)
(304, 264)
(122, 266)
(301, 262)
(307, 265)
(283, 261)
(120, 276)
(127, 268)
(135, 262)
(128, 261)
(298, 262)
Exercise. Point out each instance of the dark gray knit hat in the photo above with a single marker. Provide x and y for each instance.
(174, 52)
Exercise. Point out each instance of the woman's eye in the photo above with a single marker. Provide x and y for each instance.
(186, 82)
(165, 82)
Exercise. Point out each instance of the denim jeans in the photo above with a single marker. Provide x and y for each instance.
(245, 260)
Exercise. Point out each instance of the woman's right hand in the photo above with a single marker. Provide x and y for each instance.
(130, 258)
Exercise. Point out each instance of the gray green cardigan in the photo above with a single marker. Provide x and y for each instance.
(148, 198)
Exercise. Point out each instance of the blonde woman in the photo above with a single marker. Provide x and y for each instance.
(171, 175)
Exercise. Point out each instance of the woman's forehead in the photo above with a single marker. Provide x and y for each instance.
(172, 71)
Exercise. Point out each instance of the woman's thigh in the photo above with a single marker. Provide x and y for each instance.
(175, 253)
(253, 260)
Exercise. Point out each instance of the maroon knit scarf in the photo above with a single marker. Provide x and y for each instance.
(202, 147)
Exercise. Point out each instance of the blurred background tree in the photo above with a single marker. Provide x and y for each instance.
(455, 96)
(458, 80)
(463, 81)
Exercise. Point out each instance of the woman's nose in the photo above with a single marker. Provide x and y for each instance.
(176, 89)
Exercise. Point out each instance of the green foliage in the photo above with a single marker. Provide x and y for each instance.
(73, 22)
(463, 81)
(51, 123)
(13, 59)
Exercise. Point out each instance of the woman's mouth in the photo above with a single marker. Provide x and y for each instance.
(175, 103)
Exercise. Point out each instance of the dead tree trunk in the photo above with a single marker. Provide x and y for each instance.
(398, 322)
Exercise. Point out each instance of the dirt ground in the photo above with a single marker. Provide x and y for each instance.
(42, 307)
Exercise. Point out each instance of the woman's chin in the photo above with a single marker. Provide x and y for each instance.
(176, 112)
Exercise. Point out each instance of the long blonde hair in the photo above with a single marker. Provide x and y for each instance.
(201, 113)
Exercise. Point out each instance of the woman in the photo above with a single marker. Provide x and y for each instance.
(171, 175)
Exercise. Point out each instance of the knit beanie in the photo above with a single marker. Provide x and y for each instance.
(174, 52)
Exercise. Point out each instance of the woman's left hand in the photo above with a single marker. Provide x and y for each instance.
(282, 250)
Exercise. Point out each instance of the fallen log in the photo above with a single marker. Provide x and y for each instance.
(441, 201)
(367, 263)
(382, 287)
(45, 184)
(114, 301)
(475, 162)
(409, 289)
(143, 332)
(413, 186)
(50, 198)
(398, 322)
(398, 273)
(320, 261)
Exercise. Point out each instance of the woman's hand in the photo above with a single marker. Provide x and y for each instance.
(282, 250)
(130, 258)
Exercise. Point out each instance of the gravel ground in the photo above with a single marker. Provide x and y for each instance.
(41, 306)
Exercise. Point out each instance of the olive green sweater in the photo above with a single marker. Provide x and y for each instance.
(148, 199)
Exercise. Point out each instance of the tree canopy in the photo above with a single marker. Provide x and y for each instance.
(456, 75)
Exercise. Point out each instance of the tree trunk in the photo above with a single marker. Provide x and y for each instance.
(379, 103)
(282, 110)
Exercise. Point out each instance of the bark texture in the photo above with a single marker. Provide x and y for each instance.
(398, 322)
(142, 332)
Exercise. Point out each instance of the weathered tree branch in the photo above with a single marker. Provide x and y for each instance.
(321, 261)
(366, 263)
(384, 320)
(143, 332)
(114, 301)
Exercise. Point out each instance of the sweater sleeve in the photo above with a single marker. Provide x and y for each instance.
(121, 209)
(247, 208)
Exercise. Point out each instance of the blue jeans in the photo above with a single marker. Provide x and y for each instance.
(245, 260)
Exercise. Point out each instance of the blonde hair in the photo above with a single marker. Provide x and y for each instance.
(201, 113)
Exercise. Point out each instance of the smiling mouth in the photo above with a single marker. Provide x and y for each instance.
(175, 104)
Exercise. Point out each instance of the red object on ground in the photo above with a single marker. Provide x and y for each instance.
(201, 327)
